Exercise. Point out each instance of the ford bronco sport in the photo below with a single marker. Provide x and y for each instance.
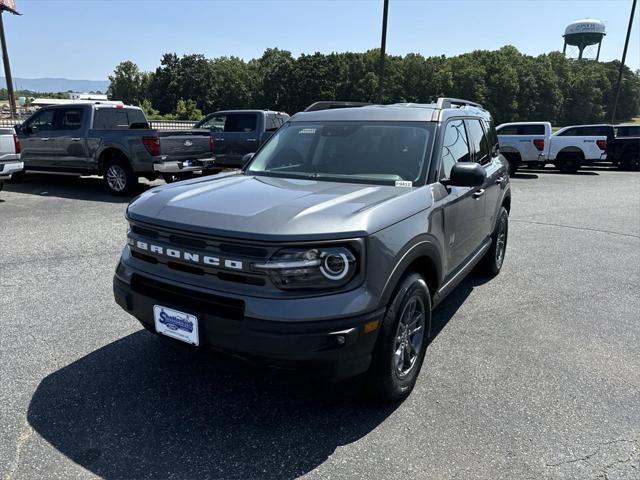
(333, 244)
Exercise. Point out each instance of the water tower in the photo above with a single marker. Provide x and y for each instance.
(584, 35)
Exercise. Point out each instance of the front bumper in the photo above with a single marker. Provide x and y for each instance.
(342, 347)
(7, 169)
(185, 166)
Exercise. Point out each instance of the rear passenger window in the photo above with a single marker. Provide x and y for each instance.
(479, 141)
(241, 122)
(455, 147)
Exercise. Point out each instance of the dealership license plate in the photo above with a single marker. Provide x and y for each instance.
(176, 324)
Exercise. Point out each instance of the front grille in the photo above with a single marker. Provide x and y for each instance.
(213, 304)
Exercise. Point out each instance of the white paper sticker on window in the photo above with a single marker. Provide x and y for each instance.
(404, 183)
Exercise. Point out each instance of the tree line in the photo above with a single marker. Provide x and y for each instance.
(513, 86)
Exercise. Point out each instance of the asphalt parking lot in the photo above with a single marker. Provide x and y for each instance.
(533, 374)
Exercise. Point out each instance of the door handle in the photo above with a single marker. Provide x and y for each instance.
(76, 139)
(252, 139)
(478, 193)
(499, 180)
(45, 139)
(219, 139)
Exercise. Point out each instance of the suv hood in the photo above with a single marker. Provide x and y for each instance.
(268, 208)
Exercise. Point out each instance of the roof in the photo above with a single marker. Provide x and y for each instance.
(400, 112)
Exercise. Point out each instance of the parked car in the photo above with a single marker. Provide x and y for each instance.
(111, 140)
(238, 132)
(623, 146)
(533, 144)
(331, 247)
(10, 162)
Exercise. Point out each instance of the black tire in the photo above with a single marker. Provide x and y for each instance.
(515, 162)
(391, 378)
(630, 161)
(119, 178)
(492, 261)
(569, 163)
(17, 177)
(1, 185)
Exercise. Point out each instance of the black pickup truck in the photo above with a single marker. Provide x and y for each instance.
(235, 133)
(112, 140)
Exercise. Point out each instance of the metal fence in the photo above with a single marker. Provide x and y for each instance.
(157, 124)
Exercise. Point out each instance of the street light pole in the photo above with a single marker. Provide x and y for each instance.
(624, 57)
(7, 68)
(383, 47)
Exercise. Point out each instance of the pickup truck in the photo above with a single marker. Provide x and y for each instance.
(623, 146)
(10, 162)
(533, 144)
(331, 247)
(236, 133)
(112, 140)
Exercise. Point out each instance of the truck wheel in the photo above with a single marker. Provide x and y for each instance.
(568, 163)
(494, 258)
(17, 177)
(402, 342)
(119, 177)
(630, 161)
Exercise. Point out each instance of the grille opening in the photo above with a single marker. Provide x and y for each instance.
(143, 257)
(185, 268)
(230, 277)
(145, 232)
(213, 304)
(244, 250)
(189, 242)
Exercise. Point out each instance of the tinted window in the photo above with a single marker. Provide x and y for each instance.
(629, 131)
(455, 147)
(118, 118)
(508, 130)
(272, 122)
(531, 130)
(478, 140)
(69, 119)
(586, 132)
(241, 122)
(371, 152)
(41, 121)
(492, 136)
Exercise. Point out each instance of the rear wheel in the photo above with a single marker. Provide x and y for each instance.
(402, 342)
(17, 177)
(630, 161)
(569, 163)
(119, 177)
(494, 258)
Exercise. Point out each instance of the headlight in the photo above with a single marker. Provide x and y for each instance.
(310, 268)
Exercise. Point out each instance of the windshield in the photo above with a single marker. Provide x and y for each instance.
(376, 152)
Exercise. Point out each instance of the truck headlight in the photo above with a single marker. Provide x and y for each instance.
(310, 268)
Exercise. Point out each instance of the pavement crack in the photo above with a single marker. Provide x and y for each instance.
(587, 457)
(23, 438)
(584, 229)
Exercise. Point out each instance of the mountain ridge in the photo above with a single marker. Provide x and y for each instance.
(53, 84)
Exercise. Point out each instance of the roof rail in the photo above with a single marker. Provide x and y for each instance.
(446, 102)
(329, 105)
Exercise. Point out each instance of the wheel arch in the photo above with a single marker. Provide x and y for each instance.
(571, 150)
(110, 153)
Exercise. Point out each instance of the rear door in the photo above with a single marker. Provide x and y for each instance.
(464, 212)
(482, 141)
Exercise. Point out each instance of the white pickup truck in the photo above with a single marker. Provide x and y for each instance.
(9, 154)
(532, 143)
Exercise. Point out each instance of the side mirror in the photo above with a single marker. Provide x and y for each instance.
(246, 159)
(467, 174)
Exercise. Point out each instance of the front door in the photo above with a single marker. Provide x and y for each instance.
(35, 139)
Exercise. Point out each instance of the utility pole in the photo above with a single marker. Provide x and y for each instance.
(5, 55)
(624, 57)
(383, 48)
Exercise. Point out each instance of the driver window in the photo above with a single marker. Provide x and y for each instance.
(42, 121)
(455, 147)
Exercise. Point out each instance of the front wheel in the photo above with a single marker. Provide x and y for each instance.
(402, 342)
(494, 258)
(119, 177)
(630, 161)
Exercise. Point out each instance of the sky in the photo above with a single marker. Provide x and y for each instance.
(86, 39)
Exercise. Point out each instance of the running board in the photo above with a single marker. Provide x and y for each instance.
(461, 274)
(49, 172)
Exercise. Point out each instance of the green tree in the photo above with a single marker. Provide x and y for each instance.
(126, 83)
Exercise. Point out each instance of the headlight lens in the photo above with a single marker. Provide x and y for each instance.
(310, 268)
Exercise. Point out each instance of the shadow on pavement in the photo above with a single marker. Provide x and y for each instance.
(142, 408)
(67, 186)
